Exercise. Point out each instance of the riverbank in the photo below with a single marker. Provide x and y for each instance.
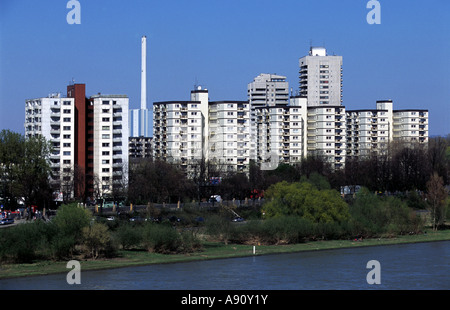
(211, 251)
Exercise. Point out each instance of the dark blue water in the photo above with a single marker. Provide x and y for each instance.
(408, 266)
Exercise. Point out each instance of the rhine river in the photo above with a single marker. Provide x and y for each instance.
(424, 266)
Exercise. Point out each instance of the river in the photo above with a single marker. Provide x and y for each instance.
(423, 266)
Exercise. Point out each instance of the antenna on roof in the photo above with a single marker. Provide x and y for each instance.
(196, 83)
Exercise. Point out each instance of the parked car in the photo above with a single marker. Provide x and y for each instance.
(238, 219)
(215, 198)
(136, 219)
(6, 221)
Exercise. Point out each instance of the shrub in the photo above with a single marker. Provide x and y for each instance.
(128, 236)
(220, 227)
(96, 239)
(70, 221)
(373, 216)
(286, 229)
(189, 242)
(306, 201)
(19, 244)
(161, 238)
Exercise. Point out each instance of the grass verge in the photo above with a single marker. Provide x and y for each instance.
(211, 251)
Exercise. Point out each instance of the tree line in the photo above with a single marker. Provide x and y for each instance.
(403, 168)
(25, 173)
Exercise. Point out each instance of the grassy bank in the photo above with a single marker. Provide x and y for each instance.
(211, 251)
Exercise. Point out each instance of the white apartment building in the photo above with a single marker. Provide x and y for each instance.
(281, 133)
(53, 118)
(265, 90)
(268, 90)
(229, 134)
(320, 78)
(326, 133)
(178, 131)
(369, 132)
(410, 126)
(187, 132)
(110, 141)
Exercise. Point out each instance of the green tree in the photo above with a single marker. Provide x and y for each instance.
(70, 221)
(372, 215)
(24, 168)
(305, 200)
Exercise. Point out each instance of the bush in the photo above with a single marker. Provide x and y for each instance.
(306, 201)
(96, 240)
(189, 242)
(286, 229)
(220, 227)
(329, 231)
(374, 216)
(20, 244)
(70, 221)
(128, 236)
(161, 238)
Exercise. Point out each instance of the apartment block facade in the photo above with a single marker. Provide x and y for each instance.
(89, 137)
(326, 134)
(109, 126)
(188, 132)
(281, 132)
(370, 132)
(52, 117)
(229, 134)
(320, 77)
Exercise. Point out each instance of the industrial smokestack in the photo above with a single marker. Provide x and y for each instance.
(144, 73)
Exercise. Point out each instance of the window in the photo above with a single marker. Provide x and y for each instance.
(66, 136)
(66, 153)
(66, 102)
(105, 102)
(66, 119)
(105, 119)
(66, 111)
(66, 144)
(105, 127)
(66, 128)
(105, 136)
(66, 161)
(105, 169)
(105, 161)
(105, 144)
(106, 153)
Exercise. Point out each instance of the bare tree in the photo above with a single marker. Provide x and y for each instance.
(436, 197)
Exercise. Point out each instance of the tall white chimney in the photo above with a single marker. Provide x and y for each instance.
(144, 73)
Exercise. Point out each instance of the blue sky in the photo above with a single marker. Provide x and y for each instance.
(223, 45)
